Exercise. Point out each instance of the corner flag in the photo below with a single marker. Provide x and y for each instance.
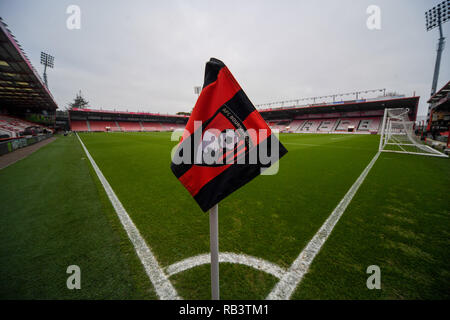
(226, 142)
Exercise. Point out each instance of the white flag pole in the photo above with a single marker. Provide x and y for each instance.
(214, 246)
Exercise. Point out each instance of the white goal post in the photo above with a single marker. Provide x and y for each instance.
(397, 135)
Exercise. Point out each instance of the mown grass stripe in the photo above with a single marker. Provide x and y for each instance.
(284, 289)
(160, 281)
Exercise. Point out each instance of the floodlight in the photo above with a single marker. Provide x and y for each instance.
(435, 17)
(48, 61)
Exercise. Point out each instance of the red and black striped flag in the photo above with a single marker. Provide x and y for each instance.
(226, 142)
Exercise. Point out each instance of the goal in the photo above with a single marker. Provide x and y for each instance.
(397, 135)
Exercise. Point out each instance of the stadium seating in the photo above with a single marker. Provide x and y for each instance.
(347, 125)
(103, 126)
(279, 125)
(310, 126)
(272, 124)
(152, 126)
(338, 125)
(369, 124)
(96, 125)
(129, 126)
(356, 124)
(77, 125)
(14, 127)
(327, 125)
(178, 126)
(169, 126)
(296, 125)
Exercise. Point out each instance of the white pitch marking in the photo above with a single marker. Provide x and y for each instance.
(284, 289)
(159, 279)
(229, 257)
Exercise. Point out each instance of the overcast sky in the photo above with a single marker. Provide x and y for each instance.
(148, 55)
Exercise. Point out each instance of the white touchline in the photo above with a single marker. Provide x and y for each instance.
(228, 257)
(284, 289)
(163, 287)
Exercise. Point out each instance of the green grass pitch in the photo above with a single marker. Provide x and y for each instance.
(55, 213)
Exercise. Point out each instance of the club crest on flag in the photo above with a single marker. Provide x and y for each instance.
(226, 142)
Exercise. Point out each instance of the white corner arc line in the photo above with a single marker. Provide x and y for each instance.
(226, 257)
(284, 289)
(163, 287)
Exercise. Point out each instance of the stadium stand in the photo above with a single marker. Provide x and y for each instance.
(347, 125)
(327, 125)
(370, 125)
(102, 125)
(295, 125)
(128, 126)
(171, 126)
(108, 120)
(15, 127)
(27, 108)
(355, 116)
(361, 116)
(438, 124)
(151, 126)
(21, 86)
(310, 126)
(280, 125)
(79, 125)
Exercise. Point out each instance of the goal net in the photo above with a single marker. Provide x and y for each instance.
(397, 135)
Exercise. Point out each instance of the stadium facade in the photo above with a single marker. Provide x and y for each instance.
(27, 108)
(91, 120)
(353, 116)
(439, 116)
